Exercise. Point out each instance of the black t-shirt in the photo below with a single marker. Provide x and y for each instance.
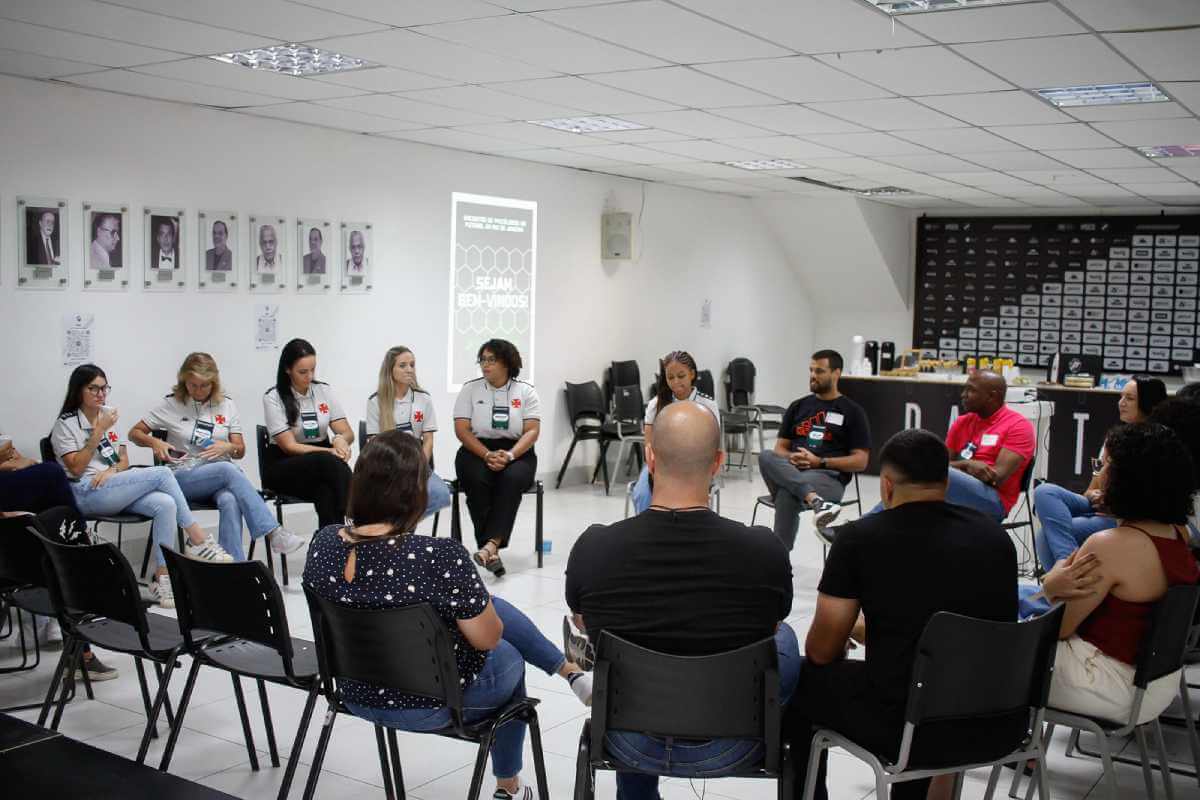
(826, 428)
(685, 583)
(906, 564)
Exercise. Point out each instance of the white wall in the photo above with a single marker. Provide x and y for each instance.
(67, 142)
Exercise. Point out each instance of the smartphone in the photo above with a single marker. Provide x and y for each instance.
(173, 453)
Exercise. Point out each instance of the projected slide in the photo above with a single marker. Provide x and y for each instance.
(493, 260)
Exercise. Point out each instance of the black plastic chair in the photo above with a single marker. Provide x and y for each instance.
(739, 396)
(967, 671)
(856, 501)
(590, 422)
(407, 649)
(279, 499)
(96, 599)
(620, 373)
(626, 426)
(728, 695)
(364, 437)
(456, 516)
(232, 618)
(23, 587)
(1161, 653)
(1022, 518)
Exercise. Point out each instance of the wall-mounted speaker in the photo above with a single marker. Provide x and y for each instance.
(616, 235)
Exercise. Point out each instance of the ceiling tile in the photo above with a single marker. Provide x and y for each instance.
(799, 79)
(406, 13)
(785, 147)
(1187, 167)
(530, 134)
(536, 42)
(1015, 159)
(789, 119)
(459, 140)
(35, 39)
(31, 65)
(991, 181)
(1054, 137)
(486, 100)
(631, 153)
(642, 136)
(276, 19)
(1116, 113)
(1165, 55)
(564, 158)
(1114, 158)
(811, 26)
(999, 22)
(401, 108)
(707, 169)
(1152, 131)
(1061, 176)
(165, 89)
(129, 25)
(230, 76)
(957, 140)
(695, 123)
(932, 162)
(572, 91)
(700, 150)
(1138, 175)
(853, 165)
(1186, 93)
(713, 185)
(312, 114)
(1053, 61)
(1164, 189)
(917, 71)
(664, 31)
(1116, 15)
(1105, 196)
(999, 202)
(867, 144)
(383, 79)
(644, 172)
(408, 50)
(996, 108)
(683, 86)
(891, 114)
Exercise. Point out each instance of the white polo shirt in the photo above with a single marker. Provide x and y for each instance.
(413, 413)
(70, 435)
(497, 413)
(191, 425)
(317, 409)
(696, 397)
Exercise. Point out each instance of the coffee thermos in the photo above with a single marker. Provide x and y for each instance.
(887, 356)
(871, 354)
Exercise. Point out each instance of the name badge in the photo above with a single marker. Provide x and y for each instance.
(202, 433)
(404, 426)
(834, 418)
(989, 440)
(816, 436)
(309, 424)
(108, 454)
(968, 452)
(499, 418)
(404, 420)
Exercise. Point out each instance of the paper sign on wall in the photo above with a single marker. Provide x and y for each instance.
(265, 316)
(77, 339)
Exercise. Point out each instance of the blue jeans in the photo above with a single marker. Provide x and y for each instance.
(437, 495)
(696, 759)
(225, 485)
(149, 491)
(966, 490)
(1027, 606)
(1067, 520)
(642, 491)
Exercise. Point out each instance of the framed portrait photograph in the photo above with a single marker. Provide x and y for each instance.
(43, 244)
(166, 263)
(358, 239)
(317, 267)
(106, 262)
(268, 252)
(216, 253)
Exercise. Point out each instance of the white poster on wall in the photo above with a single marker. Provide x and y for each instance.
(493, 265)
(77, 339)
(265, 328)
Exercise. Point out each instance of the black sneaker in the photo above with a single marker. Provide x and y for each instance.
(523, 793)
(97, 670)
(577, 648)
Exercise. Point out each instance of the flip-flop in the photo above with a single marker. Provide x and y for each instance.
(494, 565)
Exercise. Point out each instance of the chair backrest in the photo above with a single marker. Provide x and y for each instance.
(232, 599)
(47, 449)
(740, 382)
(704, 382)
(584, 401)
(261, 440)
(21, 551)
(625, 373)
(969, 668)
(363, 438)
(644, 691)
(1165, 643)
(407, 649)
(158, 433)
(1027, 476)
(628, 405)
(94, 580)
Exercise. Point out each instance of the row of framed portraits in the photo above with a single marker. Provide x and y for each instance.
(217, 251)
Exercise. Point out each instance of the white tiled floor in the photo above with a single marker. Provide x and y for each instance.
(211, 749)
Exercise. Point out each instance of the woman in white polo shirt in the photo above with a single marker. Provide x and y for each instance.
(401, 404)
(310, 438)
(497, 418)
(90, 450)
(204, 436)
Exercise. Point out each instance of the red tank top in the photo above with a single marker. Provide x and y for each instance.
(1117, 626)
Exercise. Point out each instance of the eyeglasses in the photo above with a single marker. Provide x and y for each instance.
(483, 362)
(98, 390)
(1097, 465)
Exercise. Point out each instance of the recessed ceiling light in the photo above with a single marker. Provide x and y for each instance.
(1170, 151)
(883, 191)
(292, 59)
(765, 163)
(1108, 94)
(921, 6)
(588, 124)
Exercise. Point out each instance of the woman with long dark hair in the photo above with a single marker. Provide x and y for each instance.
(310, 437)
(91, 451)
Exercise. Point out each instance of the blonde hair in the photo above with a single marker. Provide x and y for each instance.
(204, 367)
(386, 394)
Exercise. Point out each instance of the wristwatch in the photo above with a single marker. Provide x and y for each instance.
(823, 462)
(511, 457)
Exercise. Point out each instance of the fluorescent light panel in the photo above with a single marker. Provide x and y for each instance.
(1109, 94)
(588, 124)
(1170, 151)
(922, 6)
(292, 59)
(765, 163)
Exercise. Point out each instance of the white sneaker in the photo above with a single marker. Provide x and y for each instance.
(581, 685)
(284, 541)
(826, 513)
(160, 590)
(208, 550)
(48, 631)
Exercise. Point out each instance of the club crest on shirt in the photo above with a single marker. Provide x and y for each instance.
(324, 407)
(112, 436)
(418, 416)
(220, 418)
(516, 403)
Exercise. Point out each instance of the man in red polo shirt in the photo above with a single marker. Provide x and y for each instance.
(990, 447)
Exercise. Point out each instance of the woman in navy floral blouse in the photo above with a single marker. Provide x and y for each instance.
(374, 562)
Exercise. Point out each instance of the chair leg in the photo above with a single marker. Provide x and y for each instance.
(584, 775)
(145, 553)
(754, 513)
(455, 515)
(68, 688)
(538, 530)
(301, 732)
(158, 671)
(159, 700)
(87, 681)
(481, 757)
(389, 791)
(141, 673)
(246, 732)
(1189, 721)
(314, 771)
(63, 660)
(993, 780)
(397, 770)
(539, 759)
(270, 726)
(817, 748)
(563, 469)
(1164, 763)
(173, 736)
(436, 517)
(1139, 735)
(604, 468)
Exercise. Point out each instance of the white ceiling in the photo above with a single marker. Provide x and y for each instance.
(936, 103)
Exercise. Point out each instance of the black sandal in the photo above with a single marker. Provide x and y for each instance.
(492, 565)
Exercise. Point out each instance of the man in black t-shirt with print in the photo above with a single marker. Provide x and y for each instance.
(823, 440)
(680, 579)
(898, 568)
